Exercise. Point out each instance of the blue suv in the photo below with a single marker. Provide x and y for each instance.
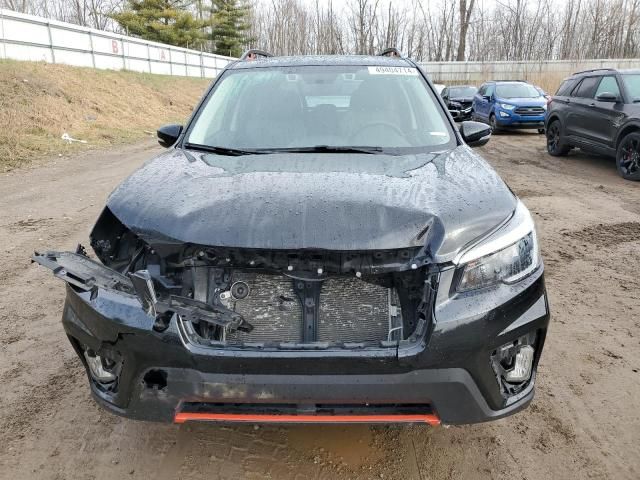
(510, 104)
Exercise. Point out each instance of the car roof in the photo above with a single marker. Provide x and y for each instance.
(320, 60)
(603, 71)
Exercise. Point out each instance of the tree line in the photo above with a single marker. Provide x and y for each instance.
(441, 30)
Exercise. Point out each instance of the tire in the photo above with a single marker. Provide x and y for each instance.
(628, 157)
(493, 124)
(555, 142)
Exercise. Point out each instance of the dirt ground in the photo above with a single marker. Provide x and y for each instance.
(583, 423)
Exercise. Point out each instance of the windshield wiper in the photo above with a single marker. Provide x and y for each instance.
(232, 152)
(327, 149)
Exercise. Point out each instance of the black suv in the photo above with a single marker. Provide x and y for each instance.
(598, 111)
(318, 244)
(459, 100)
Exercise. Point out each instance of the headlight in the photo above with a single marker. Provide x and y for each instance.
(507, 256)
(507, 106)
(507, 266)
(544, 106)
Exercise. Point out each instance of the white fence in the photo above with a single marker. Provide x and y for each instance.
(476, 72)
(26, 37)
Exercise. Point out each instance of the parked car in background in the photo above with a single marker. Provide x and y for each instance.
(598, 111)
(439, 87)
(510, 104)
(459, 101)
(278, 264)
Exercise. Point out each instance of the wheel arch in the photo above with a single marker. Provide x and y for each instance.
(552, 118)
(626, 130)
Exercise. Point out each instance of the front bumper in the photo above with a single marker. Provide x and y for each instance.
(513, 120)
(461, 115)
(449, 370)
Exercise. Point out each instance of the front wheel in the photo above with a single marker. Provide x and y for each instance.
(493, 124)
(628, 157)
(555, 143)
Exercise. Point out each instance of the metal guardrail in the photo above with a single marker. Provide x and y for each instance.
(27, 37)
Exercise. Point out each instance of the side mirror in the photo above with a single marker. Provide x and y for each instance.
(168, 134)
(608, 97)
(475, 134)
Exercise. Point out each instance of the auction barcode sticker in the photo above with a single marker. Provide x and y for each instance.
(379, 70)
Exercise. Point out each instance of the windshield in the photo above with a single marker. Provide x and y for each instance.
(516, 90)
(632, 83)
(458, 92)
(390, 109)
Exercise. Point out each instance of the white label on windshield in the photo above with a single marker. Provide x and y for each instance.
(393, 70)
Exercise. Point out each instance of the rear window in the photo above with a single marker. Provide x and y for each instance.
(586, 88)
(565, 88)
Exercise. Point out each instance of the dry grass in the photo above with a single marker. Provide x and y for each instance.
(39, 102)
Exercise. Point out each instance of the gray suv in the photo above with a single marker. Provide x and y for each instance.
(598, 111)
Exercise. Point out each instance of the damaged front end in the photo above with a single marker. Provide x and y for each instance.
(258, 299)
(178, 331)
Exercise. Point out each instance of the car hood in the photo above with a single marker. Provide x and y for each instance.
(461, 99)
(524, 102)
(315, 201)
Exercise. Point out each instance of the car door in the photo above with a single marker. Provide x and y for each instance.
(485, 100)
(480, 106)
(477, 102)
(602, 123)
(579, 116)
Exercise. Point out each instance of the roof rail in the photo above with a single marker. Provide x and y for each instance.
(253, 54)
(607, 69)
(390, 52)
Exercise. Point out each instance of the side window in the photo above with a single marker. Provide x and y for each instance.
(490, 89)
(565, 88)
(587, 88)
(445, 93)
(482, 89)
(608, 85)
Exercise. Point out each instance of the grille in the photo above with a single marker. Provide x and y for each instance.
(529, 111)
(350, 310)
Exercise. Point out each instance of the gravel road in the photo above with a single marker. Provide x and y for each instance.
(584, 422)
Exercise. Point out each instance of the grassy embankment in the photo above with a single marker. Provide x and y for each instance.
(39, 102)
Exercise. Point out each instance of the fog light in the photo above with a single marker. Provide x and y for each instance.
(98, 366)
(521, 370)
(504, 114)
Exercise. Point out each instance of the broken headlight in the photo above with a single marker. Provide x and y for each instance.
(507, 256)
